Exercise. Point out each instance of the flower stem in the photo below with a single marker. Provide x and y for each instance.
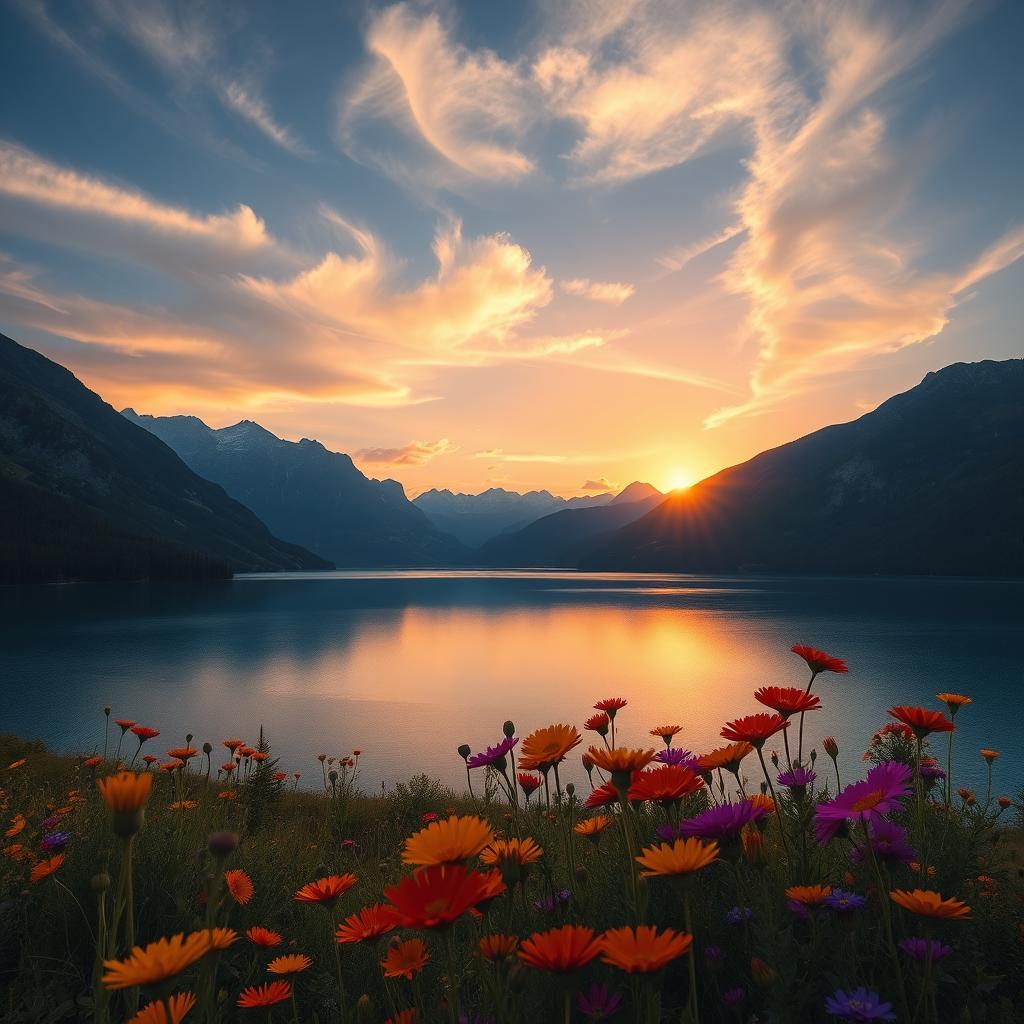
(694, 1011)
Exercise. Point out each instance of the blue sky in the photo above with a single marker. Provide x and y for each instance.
(557, 244)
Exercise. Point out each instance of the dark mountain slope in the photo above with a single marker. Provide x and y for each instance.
(932, 481)
(73, 471)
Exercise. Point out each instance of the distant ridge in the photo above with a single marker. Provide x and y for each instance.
(932, 481)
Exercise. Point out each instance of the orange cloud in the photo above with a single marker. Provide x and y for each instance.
(416, 453)
(612, 292)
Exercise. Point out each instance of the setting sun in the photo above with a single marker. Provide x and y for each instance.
(679, 480)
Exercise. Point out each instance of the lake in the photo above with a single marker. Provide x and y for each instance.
(408, 665)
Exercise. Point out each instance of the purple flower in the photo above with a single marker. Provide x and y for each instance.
(676, 755)
(56, 841)
(882, 791)
(600, 1003)
(551, 903)
(930, 771)
(714, 954)
(492, 754)
(858, 1007)
(843, 902)
(889, 841)
(736, 915)
(734, 997)
(669, 832)
(797, 909)
(722, 822)
(918, 949)
(797, 779)
(51, 822)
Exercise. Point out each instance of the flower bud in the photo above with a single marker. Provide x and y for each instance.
(509, 729)
(364, 1009)
(106, 710)
(207, 747)
(100, 882)
(464, 751)
(188, 738)
(1004, 802)
(333, 776)
(570, 788)
(222, 844)
(775, 758)
(582, 875)
(831, 747)
(814, 755)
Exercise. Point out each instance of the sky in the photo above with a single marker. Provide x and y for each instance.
(548, 244)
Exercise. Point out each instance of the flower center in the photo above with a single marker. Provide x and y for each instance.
(865, 803)
(436, 907)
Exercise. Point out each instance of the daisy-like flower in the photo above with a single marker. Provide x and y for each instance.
(258, 997)
(677, 756)
(598, 723)
(17, 826)
(292, 963)
(434, 897)
(126, 792)
(808, 895)
(611, 705)
(326, 890)
(924, 949)
(17, 764)
(858, 1007)
(183, 805)
(683, 857)
(144, 733)
(548, 746)
(92, 762)
(885, 786)
(156, 1013)
(368, 923)
(621, 763)
(497, 947)
(723, 822)
(549, 904)
(516, 851)
(665, 786)
(890, 842)
(402, 1017)
(45, 868)
(819, 661)
(754, 729)
(233, 745)
(603, 796)
(843, 902)
(929, 904)
(989, 755)
(954, 702)
(55, 841)
(239, 885)
(183, 753)
(404, 959)
(666, 732)
(529, 783)
(591, 828)
(922, 721)
(264, 937)
(218, 938)
(171, 766)
(787, 700)
(796, 779)
(451, 841)
(493, 755)
(642, 950)
(157, 962)
(599, 1003)
(561, 950)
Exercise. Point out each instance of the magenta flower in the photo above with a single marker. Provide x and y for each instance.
(493, 754)
(885, 786)
(676, 755)
(600, 1003)
(796, 779)
(919, 949)
(723, 822)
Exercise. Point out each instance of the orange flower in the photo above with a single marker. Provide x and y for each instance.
(16, 764)
(562, 950)
(764, 801)
(263, 937)
(368, 923)
(683, 857)
(929, 904)
(171, 766)
(157, 962)
(989, 755)
(954, 702)
(326, 890)
(404, 959)
(402, 1017)
(436, 896)
(260, 996)
(182, 753)
(227, 794)
(610, 705)
(126, 792)
(233, 745)
(787, 700)
(728, 757)
(17, 826)
(515, 851)
(451, 841)
(591, 828)
(754, 729)
(819, 661)
(642, 950)
(666, 732)
(239, 885)
(666, 785)
(922, 721)
(92, 762)
(808, 895)
(497, 947)
(547, 746)
(293, 963)
(183, 805)
(156, 1013)
(620, 761)
(45, 868)
(217, 938)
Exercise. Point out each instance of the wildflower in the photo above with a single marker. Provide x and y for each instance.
(762, 973)
(954, 702)
(591, 828)
(45, 868)
(665, 786)
(611, 705)
(858, 1007)
(158, 962)
(185, 753)
(831, 747)
(723, 822)
(259, 756)
(929, 904)
(753, 847)
(683, 857)
(218, 938)
(924, 949)
(368, 923)
(808, 895)
(264, 937)
(548, 746)
(677, 756)
(714, 955)
(737, 915)
(126, 794)
(17, 764)
(407, 1017)
(518, 851)
(843, 902)
(183, 805)
(260, 996)
(493, 755)
(787, 700)
(890, 842)
(561, 950)
(150, 759)
(171, 766)
(404, 959)
(603, 796)
(529, 783)
(497, 947)
(227, 794)
(990, 755)
(293, 963)
(797, 779)
(549, 904)
(436, 896)
(754, 729)
(239, 885)
(452, 841)
(922, 721)
(880, 792)
(233, 745)
(643, 949)
(144, 733)
(55, 841)
(621, 763)
(666, 732)
(326, 890)
(92, 762)
(1004, 802)
(598, 723)
(965, 794)
(819, 661)
(599, 1003)
(156, 1012)
(17, 826)
(734, 998)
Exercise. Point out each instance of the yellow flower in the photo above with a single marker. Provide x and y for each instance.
(683, 857)
(451, 841)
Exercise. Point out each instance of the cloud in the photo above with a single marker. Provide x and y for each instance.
(247, 103)
(680, 256)
(415, 453)
(466, 110)
(600, 484)
(500, 455)
(612, 292)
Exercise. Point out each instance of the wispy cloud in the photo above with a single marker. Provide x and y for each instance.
(612, 292)
(600, 484)
(250, 105)
(680, 256)
(415, 453)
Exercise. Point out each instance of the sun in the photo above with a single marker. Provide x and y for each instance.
(680, 480)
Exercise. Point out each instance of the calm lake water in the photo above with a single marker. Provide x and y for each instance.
(408, 665)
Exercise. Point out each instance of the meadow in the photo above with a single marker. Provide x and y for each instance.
(161, 879)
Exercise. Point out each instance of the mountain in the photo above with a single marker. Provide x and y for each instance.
(561, 538)
(475, 518)
(84, 494)
(312, 496)
(932, 481)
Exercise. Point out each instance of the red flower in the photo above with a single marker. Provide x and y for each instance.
(326, 890)
(598, 723)
(529, 782)
(603, 796)
(145, 733)
(921, 720)
(819, 661)
(754, 729)
(436, 896)
(610, 705)
(787, 700)
(666, 785)
(125, 723)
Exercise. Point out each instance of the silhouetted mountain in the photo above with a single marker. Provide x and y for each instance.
(308, 494)
(475, 518)
(84, 494)
(634, 492)
(561, 538)
(932, 481)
